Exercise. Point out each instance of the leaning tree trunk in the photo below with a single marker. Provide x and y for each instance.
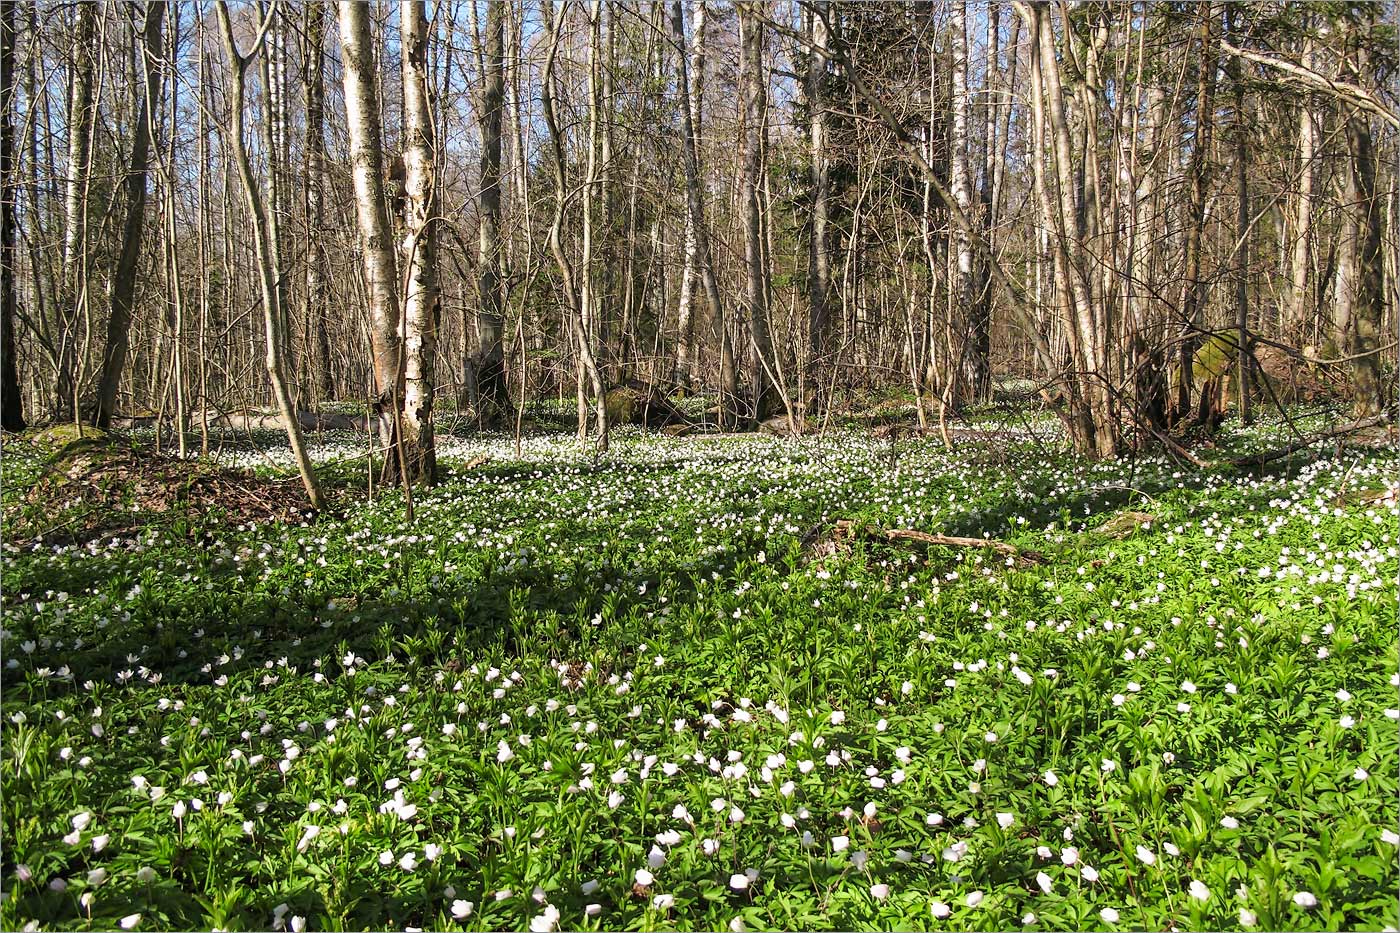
(486, 367)
(573, 302)
(421, 307)
(264, 240)
(376, 241)
(124, 275)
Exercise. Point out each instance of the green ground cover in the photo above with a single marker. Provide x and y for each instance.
(648, 691)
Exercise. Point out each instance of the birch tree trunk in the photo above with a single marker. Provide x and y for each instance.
(605, 228)
(124, 275)
(1301, 304)
(421, 304)
(80, 113)
(695, 211)
(960, 184)
(692, 101)
(376, 240)
(274, 154)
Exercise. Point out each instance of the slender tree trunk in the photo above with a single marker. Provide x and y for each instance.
(80, 110)
(1193, 287)
(605, 229)
(929, 240)
(692, 101)
(317, 299)
(487, 366)
(11, 403)
(172, 248)
(574, 303)
(695, 211)
(960, 184)
(376, 240)
(752, 90)
(589, 369)
(1301, 304)
(818, 241)
(44, 283)
(274, 317)
(1241, 134)
(978, 370)
(124, 275)
(588, 276)
(202, 235)
(421, 303)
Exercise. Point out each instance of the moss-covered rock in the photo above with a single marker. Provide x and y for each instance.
(622, 404)
(58, 436)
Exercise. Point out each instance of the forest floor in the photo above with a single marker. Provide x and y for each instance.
(663, 687)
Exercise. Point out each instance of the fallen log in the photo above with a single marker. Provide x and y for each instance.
(1340, 430)
(845, 530)
(1001, 547)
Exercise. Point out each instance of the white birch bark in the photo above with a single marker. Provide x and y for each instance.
(421, 306)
